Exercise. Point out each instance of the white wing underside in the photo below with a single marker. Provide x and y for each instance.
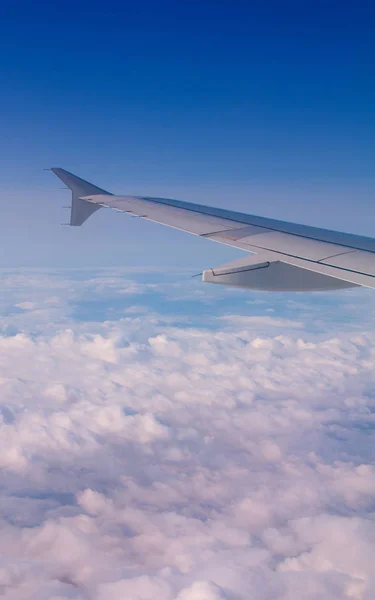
(288, 256)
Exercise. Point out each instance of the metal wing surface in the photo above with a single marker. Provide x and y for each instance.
(288, 256)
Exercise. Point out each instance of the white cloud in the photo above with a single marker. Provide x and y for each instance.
(201, 590)
(26, 305)
(250, 321)
(141, 460)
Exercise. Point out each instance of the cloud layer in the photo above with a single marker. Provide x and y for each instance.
(142, 459)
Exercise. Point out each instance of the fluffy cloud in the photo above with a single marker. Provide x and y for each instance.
(145, 460)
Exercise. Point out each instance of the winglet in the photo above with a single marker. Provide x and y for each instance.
(81, 209)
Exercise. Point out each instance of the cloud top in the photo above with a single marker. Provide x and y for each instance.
(145, 460)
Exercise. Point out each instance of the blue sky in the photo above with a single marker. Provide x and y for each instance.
(267, 109)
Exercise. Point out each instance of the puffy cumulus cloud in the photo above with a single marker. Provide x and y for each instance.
(26, 305)
(142, 460)
(201, 590)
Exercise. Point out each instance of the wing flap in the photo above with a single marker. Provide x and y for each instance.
(340, 273)
(287, 243)
(262, 272)
(357, 260)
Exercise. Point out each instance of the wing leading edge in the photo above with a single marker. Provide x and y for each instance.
(298, 257)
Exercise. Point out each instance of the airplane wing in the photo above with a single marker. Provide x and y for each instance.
(283, 256)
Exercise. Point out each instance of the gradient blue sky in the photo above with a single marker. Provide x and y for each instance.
(262, 107)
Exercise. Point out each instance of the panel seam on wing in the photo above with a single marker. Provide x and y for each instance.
(339, 254)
